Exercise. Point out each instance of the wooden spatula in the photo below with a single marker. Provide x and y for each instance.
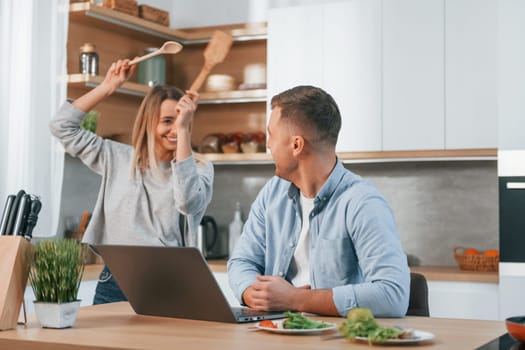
(215, 52)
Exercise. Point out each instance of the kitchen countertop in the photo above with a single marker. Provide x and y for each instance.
(432, 273)
(116, 326)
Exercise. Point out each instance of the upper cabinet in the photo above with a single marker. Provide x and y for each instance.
(471, 79)
(352, 59)
(511, 75)
(413, 75)
(117, 36)
(412, 78)
(340, 53)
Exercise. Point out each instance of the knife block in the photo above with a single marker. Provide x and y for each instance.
(15, 260)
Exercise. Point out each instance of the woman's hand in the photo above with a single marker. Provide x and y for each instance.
(117, 74)
(185, 109)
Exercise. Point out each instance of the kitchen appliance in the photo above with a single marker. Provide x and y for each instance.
(511, 173)
(511, 157)
(503, 342)
(207, 234)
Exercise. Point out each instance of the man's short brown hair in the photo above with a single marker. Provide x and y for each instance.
(312, 108)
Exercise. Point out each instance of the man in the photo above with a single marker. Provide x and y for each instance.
(318, 238)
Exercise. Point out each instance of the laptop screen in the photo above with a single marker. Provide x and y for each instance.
(170, 282)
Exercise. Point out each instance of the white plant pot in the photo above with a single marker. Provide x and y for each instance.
(57, 315)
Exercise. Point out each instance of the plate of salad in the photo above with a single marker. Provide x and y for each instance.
(414, 338)
(295, 323)
(360, 325)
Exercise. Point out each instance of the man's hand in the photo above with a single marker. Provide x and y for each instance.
(272, 293)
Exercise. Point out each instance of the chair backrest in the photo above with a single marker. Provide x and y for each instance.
(418, 301)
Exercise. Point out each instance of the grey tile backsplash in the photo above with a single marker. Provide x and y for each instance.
(437, 204)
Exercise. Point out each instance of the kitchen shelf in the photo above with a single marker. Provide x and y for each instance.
(367, 157)
(237, 96)
(419, 155)
(239, 158)
(91, 81)
(94, 15)
(135, 89)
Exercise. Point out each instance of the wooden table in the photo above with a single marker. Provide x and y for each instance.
(432, 273)
(116, 326)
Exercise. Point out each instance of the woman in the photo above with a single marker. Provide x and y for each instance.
(147, 186)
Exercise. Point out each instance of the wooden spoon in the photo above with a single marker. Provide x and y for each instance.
(215, 52)
(169, 47)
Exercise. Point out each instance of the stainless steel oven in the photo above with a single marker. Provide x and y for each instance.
(511, 174)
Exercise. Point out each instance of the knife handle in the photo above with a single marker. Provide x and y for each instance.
(5, 215)
(21, 215)
(12, 213)
(32, 217)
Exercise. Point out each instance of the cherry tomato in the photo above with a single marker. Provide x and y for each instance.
(267, 324)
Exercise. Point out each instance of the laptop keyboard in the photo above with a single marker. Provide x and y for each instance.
(244, 311)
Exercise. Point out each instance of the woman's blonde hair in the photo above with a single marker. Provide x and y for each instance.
(143, 136)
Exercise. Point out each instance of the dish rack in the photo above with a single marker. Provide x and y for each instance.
(476, 262)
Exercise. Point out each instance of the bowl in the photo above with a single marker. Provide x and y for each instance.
(220, 82)
(249, 147)
(516, 327)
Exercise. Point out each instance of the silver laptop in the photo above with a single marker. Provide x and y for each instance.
(173, 282)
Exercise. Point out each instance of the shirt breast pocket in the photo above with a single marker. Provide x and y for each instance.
(336, 261)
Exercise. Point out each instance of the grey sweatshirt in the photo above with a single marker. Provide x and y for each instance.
(143, 211)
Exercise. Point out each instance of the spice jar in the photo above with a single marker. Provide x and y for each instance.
(88, 59)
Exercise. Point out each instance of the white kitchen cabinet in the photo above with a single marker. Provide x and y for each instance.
(295, 48)
(471, 300)
(352, 71)
(511, 74)
(413, 75)
(407, 74)
(338, 48)
(471, 74)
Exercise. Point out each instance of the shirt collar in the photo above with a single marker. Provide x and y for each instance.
(327, 189)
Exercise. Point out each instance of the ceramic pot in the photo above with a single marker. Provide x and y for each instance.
(57, 315)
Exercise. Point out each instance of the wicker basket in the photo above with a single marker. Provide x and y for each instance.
(476, 262)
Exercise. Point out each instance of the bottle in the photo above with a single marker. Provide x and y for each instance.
(88, 59)
(235, 228)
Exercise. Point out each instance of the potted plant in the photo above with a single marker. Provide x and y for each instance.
(55, 276)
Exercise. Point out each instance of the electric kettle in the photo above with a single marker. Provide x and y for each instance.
(207, 233)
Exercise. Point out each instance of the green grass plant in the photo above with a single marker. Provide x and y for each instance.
(56, 270)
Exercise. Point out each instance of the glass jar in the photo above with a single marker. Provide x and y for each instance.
(153, 70)
(88, 59)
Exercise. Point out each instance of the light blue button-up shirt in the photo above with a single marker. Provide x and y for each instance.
(354, 248)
